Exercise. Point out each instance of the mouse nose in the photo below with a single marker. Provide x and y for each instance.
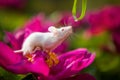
(70, 29)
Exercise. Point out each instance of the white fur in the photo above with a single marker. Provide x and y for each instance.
(45, 41)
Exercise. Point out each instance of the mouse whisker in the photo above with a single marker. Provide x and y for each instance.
(74, 36)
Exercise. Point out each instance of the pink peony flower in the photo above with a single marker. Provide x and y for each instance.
(70, 63)
(106, 19)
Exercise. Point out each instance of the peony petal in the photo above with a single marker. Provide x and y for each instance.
(19, 35)
(38, 67)
(37, 24)
(72, 62)
(75, 54)
(7, 56)
(61, 48)
(90, 59)
(14, 42)
(34, 25)
(67, 19)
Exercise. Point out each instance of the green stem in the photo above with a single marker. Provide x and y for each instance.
(84, 3)
(74, 9)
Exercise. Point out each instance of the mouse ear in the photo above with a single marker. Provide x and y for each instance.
(52, 29)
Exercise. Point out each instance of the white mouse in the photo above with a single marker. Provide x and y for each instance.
(46, 41)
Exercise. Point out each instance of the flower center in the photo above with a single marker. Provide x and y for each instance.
(52, 59)
(30, 57)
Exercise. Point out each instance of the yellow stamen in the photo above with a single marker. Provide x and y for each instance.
(30, 57)
(52, 60)
(49, 62)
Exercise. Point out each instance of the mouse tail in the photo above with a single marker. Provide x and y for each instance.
(18, 51)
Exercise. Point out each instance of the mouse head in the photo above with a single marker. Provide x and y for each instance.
(61, 32)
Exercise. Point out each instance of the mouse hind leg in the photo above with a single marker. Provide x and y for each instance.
(36, 48)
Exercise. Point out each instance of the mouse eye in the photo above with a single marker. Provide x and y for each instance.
(62, 29)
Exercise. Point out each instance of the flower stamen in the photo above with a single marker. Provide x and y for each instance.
(52, 59)
(29, 57)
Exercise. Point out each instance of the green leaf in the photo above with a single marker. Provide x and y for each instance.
(74, 8)
(5, 75)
